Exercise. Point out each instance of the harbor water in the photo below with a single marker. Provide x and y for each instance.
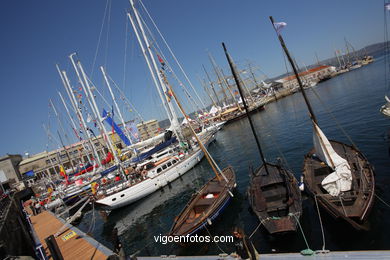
(354, 98)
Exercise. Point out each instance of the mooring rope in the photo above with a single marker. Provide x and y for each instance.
(216, 243)
(322, 228)
(307, 251)
(384, 202)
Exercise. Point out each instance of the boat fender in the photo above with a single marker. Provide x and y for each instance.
(301, 184)
(231, 194)
(209, 221)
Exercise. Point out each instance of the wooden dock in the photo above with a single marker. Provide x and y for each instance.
(72, 242)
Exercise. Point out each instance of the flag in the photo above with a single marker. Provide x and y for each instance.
(387, 6)
(169, 95)
(89, 118)
(161, 61)
(62, 171)
(279, 26)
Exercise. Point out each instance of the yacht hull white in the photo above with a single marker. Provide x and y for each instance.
(152, 184)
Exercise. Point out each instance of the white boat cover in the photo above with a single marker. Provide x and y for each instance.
(214, 110)
(341, 179)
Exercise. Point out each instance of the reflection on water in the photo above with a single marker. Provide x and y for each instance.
(285, 132)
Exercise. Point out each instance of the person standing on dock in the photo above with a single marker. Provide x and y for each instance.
(244, 247)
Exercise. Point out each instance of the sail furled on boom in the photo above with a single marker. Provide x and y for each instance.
(341, 179)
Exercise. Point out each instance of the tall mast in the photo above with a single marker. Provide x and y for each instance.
(230, 91)
(205, 90)
(312, 115)
(211, 161)
(86, 93)
(174, 121)
(73, 100)
(116, 104)
(73, 125)
(215, 67)
(63, 130)
(253, 75)
(245, 106)
(91, 97)
(212, 85)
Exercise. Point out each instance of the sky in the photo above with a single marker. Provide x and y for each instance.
(37, 35)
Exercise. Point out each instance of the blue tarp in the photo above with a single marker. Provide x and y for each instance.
(157, 148)
(29, 173)
(117, 129)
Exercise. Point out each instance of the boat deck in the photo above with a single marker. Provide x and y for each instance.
(73, 243)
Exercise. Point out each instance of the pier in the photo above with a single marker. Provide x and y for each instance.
(72, 242)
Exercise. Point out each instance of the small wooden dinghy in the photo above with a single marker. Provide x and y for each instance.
(275, 198)
(353, 205)
(273, 193)
(336, 174)
(205, 205)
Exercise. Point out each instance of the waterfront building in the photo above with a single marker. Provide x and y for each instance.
(48, 163)
(9, 171)
(148, 129)
(312, 75)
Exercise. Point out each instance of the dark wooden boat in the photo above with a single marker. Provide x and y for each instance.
(353, 206)
(273, 194)
(275, 198)
(353, 189)
(205, 205)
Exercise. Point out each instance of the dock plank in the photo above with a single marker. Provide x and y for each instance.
(75, 246)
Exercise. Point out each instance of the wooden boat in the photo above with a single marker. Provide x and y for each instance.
(275, 198)
(273, 194)
(337, 174)
(353, 206)
(205, 205)
(211, 199)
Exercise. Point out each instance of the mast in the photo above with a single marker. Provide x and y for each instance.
(86, 93)
(63, 130)
(73, 100)
(212, 85)
(73, 125)
(245, 106)
(312, 115)
(174, 121)
(116, 104)
(213, 164)
(337, 57)
(230, 91)
(215, 67)
(95, 107)
(205, 90)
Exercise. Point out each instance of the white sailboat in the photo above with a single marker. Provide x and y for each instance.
(168, 168)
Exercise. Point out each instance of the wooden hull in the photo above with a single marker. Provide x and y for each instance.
(353, 206)
(202, 208)
(275, 199)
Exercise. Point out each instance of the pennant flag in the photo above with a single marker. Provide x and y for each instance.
(89, 118)
(169, 95)
(161, 61)
(279, 26)
(387, 6)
